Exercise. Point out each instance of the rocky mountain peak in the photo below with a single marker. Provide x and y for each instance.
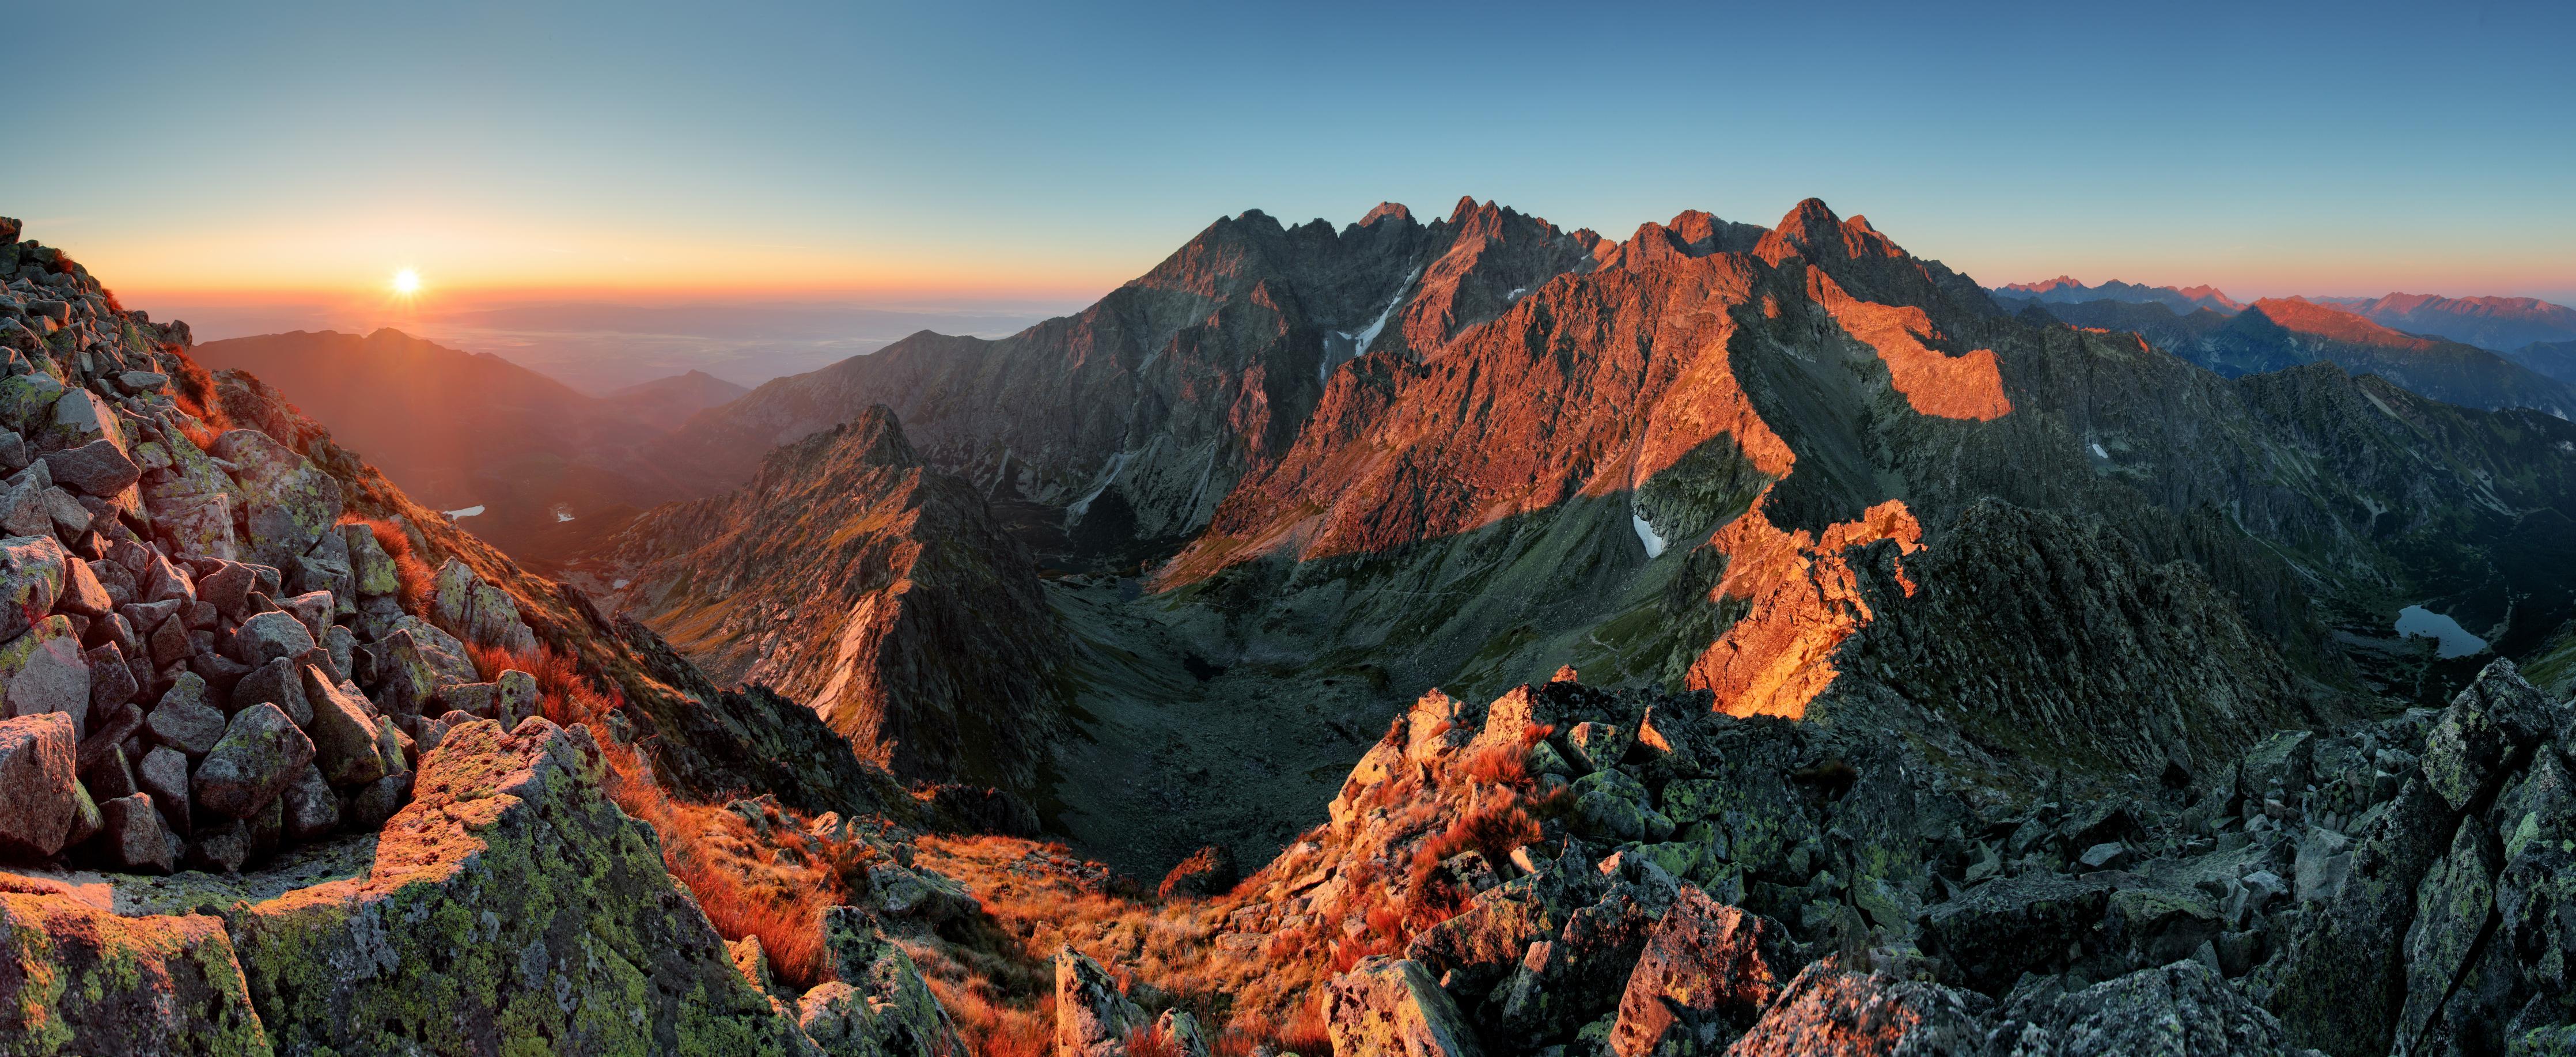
(1392, 211)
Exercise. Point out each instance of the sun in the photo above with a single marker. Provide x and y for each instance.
(406, 282)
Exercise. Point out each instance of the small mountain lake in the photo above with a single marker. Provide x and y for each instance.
(2414, 621)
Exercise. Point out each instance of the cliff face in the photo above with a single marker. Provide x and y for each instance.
(1131, 419)
(882, 594)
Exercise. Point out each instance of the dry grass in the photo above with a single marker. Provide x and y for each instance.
(556, 676)
(771, 881)
(1152, 1041)
(196, 396)
(414, 579)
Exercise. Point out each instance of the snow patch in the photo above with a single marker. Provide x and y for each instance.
(1108, 476)
(467, 512)
(618, 585)
(1515, 295)
(1646, 534)
(1366, 336)
(2098, 453)
(562, 512)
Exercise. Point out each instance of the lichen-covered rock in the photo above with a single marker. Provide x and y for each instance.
(417, 659)
(478, 611)
(1183, 1032)
(271, 636)
(876, 1004)
(1706, 973)
(344, 734)
(287, 502)
(1830, 1010)
(1092, 1016)
(261, 753)
(2037, 922)
(2339, 982)
(132, 836)
(275, 683)
(37, 784)
(2467, 747)
(2451, 909)
(1392, 1006)
(509, 902)
(49, 674)
(921, 894)
(98, 468)
(2179, 1010)
(185, 719)
(78, 980)
(371, 569)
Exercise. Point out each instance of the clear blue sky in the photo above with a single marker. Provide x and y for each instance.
(1053, 150)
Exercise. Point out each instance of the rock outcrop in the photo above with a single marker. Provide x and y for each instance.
(882, 594)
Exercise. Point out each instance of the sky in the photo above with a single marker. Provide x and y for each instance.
(960, 156)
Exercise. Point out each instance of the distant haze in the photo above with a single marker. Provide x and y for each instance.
(597, 346)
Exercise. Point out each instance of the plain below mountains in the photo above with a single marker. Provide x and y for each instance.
(549, 468)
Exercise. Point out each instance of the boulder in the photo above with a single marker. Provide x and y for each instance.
(1829, 1010)
(343, 732)
(370, 568)
(78, 979)
(512, 892)
(1580, 973)
(515, 696)
(31, 578)
(478, 611)
(164, 774)
(47, 672)
(1705, 975)
(228, 587)
(922, 894)
(2338, 983)
(111, 678)
(2452, 905)
(185, 720)
(81, 417)
(2466, 749)
(1208, 871)
(415, 660)
(287, 502)
(279, 683)
(2179, 1010)
(133, 837)
(98, 468)
(314, 609)
(38, 789)
(27, 399)
(261, 752)
(1388, 1006)
(1477, 948)
(2037, 922)
(82, 591)
(198, 524)
(265, 637)
(1614, 805)
(1092, 1016)
(311, 808)
(876, 1002)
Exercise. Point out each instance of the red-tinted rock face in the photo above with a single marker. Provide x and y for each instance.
(1597, 382)
(880, 593)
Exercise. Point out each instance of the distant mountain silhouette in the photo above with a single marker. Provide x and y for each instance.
(549, 466)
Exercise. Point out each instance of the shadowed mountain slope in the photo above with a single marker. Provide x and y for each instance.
(550, 468)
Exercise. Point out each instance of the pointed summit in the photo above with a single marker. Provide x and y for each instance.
(1387, 211)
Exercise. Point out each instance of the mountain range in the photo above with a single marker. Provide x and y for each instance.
(1497, 639)
(542, 467)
